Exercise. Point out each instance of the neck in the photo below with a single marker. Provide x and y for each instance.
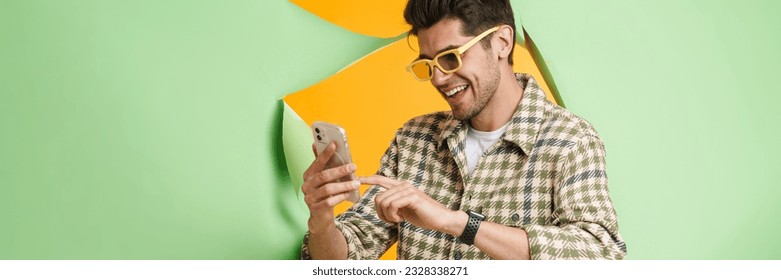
(503, 103)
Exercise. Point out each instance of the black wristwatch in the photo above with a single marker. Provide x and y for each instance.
(470, 231)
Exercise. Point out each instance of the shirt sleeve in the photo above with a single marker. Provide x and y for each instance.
(367, 236)
(584, 224)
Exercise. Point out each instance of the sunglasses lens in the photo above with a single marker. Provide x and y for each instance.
(449, 61)
(421, 70)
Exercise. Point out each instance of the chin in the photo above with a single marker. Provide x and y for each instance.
(461, 116)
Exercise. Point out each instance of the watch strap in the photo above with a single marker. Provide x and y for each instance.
(472, 225)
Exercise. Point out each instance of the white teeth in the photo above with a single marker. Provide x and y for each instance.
(455, 90)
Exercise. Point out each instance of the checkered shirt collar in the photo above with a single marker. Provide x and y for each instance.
(524, 125)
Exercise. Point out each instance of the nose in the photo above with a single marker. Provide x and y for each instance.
(438, 78)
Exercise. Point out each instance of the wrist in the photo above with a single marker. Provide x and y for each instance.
(319, 226)
(457, 223)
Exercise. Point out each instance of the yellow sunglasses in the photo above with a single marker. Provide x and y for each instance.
(448, 61)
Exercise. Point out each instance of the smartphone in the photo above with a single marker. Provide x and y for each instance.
(326, 133)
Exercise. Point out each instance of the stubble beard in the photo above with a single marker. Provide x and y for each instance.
(483, 95)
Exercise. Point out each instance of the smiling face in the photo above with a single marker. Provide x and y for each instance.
(469, 89)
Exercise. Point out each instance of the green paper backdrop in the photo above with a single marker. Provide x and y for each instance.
(152, 130)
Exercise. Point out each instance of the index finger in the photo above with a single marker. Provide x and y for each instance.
(382, 181)
(320, 160)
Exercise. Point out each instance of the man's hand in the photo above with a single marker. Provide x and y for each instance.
(403, 201)
(321, 193)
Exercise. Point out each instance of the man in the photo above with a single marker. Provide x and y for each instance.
(504, 175)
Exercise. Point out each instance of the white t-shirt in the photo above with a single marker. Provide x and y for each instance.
(477, 142)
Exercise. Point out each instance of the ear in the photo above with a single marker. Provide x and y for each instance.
(504, 41)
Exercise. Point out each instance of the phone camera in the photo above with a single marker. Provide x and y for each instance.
(317, 130)
(319, 138)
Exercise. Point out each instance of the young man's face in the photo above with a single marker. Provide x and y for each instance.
(469, 89)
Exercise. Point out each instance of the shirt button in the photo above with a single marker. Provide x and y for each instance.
(457, 256)
(515, 217)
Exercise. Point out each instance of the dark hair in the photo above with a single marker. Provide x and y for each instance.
(476, 16)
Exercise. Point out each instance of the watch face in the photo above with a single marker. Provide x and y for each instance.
(475, 215)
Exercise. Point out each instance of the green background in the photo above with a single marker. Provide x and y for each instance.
(152, 129)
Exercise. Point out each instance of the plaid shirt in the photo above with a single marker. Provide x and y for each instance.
(546, 175)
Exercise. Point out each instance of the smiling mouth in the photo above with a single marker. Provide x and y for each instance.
(455, 90)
